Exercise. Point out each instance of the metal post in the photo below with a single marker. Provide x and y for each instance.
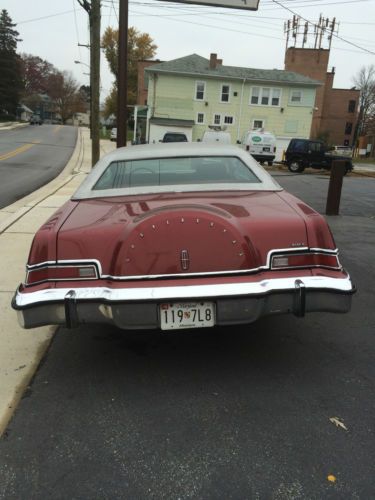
(334, 189)
(122, 83)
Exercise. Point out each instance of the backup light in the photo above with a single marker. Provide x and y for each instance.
(308, 259)
(59, 273)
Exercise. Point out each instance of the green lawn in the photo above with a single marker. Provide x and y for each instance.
(364, 160)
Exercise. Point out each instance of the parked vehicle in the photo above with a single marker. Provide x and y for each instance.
(113, 135)
(35, 120)
(172, 236)
(261, 145)
(302, 153)
(174, 137)
(217, 136)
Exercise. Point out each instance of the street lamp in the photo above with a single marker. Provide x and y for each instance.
(80, 62)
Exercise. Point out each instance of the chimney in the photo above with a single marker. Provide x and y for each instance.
(219, 62)
(213, 61)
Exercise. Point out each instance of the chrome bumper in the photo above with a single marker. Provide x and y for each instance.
(137, 308)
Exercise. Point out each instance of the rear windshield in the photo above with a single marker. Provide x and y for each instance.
(175, 138)
(175, 171)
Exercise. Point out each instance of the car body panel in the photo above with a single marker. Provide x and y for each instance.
(106, 257)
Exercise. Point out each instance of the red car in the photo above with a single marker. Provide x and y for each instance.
(180, 235)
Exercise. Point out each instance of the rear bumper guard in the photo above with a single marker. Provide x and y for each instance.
(137, 308)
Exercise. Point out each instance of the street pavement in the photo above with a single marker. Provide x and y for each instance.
(21, 350)
(244, 414)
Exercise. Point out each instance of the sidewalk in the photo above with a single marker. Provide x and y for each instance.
(21, 350)
(12, 125)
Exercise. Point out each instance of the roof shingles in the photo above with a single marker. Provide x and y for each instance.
(199, 66)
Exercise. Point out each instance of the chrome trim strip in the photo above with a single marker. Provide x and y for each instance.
(270, 254)
(343, 285)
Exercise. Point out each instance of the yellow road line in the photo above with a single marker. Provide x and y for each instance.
(17, 151)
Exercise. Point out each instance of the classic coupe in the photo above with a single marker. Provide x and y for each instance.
(184, 235)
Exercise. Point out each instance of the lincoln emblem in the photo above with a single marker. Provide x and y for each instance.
(185, 260)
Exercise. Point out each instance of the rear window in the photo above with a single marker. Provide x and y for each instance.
(175, 171)
(175, 138)
(298, 146)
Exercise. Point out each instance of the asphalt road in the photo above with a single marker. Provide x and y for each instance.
(31, 156)
(240, 413)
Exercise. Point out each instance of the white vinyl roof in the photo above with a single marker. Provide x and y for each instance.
(174, 150)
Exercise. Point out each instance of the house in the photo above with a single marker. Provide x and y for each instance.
(24, 113)
(192, 93)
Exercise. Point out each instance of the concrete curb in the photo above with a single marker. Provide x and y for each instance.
(22, 351)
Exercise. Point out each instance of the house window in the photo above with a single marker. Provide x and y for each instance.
(228, 120)
(348, 128)
(275, 101)
(200, 118)
(255, 92)
(351, 106)
(296, 96)
(200, 88)
(225, 89)
(258, 124)
(217, 119)
(265, 97)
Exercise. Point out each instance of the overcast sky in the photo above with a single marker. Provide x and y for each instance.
(52, 29)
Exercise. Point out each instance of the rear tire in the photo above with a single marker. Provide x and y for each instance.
(296, 166)
(270, 163)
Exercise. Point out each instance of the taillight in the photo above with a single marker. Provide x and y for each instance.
(308, 259)
(58, 273)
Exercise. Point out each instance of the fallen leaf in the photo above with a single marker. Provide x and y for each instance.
(338, 423)
(331, 478)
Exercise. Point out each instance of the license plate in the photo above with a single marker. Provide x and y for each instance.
(266, 149)
(177, 315)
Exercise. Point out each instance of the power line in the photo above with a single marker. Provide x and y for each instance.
(77, 32)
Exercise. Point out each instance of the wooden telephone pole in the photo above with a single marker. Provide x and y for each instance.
(93, 10)
(122, 83)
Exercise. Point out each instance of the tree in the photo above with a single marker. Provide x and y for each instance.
(10, 74)
(63, 90)
(35, 72)
(140, 47)
(365, 81)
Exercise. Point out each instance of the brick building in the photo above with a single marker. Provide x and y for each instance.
(336, 110)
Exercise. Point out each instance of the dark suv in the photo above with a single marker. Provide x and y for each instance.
(302, 153)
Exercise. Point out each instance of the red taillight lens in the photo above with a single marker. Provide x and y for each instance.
(305, 260)
(57, 273)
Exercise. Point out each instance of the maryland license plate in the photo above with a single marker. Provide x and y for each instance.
(174, 316)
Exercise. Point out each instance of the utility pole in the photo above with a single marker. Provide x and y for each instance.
(122, 83)
(93, 10)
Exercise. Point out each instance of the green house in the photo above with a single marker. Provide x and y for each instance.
(193, 93)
